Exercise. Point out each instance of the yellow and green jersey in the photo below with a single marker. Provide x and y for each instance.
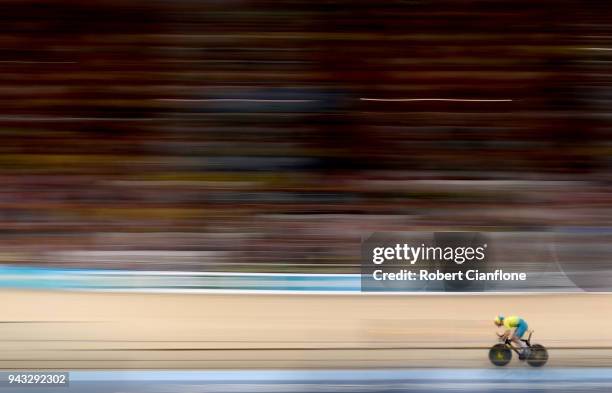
(512, 321)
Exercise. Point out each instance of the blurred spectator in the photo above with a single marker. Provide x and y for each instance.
(256, 135)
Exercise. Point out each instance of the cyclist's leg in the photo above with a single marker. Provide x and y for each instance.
(516, 339)
(519, 332)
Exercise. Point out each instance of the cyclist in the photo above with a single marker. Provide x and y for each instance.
(515, 329)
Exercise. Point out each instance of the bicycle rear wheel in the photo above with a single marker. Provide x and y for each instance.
(538, 356)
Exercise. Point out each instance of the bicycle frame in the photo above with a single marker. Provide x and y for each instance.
(510, 343)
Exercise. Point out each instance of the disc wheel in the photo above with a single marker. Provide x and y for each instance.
(500, 355)
(538, 356)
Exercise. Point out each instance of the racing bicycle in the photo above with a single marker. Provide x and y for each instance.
(501, 354)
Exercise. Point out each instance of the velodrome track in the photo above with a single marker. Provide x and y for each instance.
(102, 330)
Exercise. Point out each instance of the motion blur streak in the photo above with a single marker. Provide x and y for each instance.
(279, 132)
(349, 381)
(432, 99)
(80, 330)
(271, 136)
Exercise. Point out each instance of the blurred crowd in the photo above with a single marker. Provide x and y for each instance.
(273, 135)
